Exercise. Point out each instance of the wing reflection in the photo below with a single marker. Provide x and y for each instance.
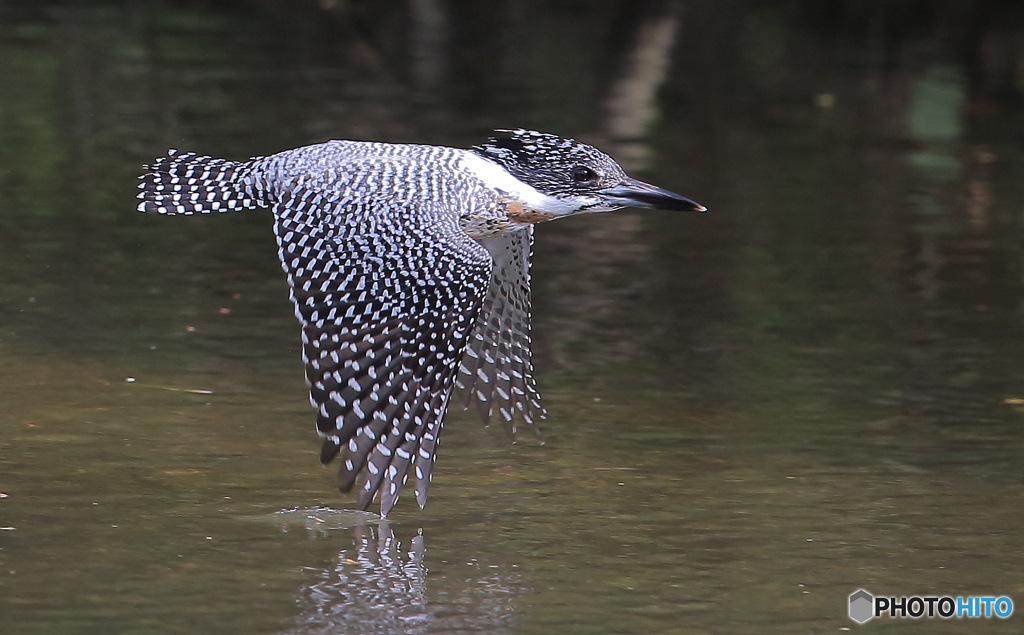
(379, 586)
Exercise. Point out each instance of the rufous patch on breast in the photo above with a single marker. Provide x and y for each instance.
(519, 213)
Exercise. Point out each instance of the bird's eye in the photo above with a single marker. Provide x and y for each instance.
(583, 174)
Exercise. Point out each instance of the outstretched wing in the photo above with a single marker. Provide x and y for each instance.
(388, 289)
(497, 372)
(387, 293)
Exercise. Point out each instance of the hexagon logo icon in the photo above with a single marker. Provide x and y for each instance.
(862, 604)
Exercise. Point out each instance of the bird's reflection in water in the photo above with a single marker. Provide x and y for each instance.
(379, 586)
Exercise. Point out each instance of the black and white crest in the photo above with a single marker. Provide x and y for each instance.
(552, 164)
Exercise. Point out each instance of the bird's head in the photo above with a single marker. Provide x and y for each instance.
(579, 176)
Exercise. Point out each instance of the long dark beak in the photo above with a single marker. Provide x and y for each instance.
(633, 193)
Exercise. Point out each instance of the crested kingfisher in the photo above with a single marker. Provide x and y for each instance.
(409, 272)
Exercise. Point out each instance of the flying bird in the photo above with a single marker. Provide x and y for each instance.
(409, 272)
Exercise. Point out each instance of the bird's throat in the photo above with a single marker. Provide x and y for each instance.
(521, 214)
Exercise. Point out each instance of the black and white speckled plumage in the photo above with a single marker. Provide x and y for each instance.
(497, 372)
(541, 159)
(409, 272)
(384, 281)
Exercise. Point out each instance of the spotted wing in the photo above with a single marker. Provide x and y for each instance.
(386, 312)
(497, 372)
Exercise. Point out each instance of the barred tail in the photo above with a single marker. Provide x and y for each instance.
(187, 183)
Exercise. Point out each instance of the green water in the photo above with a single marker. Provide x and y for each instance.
(754, 412)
